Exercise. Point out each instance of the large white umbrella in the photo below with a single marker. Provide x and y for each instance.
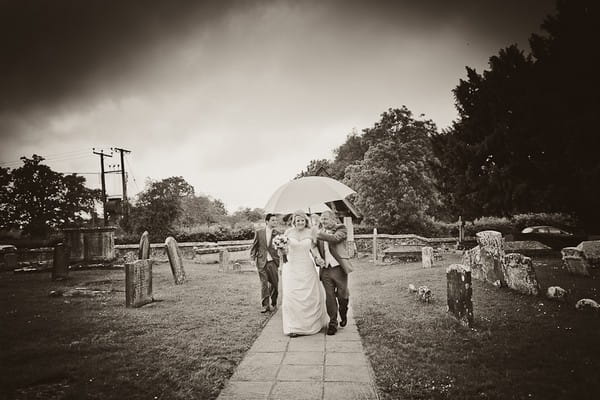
(308, 193)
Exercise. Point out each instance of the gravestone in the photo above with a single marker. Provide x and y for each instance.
(60, 268)
(138, 283)
(575, 261)
(175, 260)
(144, 252)
(427, 256)
(519, 274)
(591, 252)
(224, 260)
(487, 258)
(460, 292)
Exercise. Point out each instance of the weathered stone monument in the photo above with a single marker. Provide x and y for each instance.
(486, 259)
(591, 252)
(144, 252)
(224, 261)
(519, 274)
(138, 283)
(427, 256)
(175, 260)
(60, 263)
(460, 292)
(575, 262)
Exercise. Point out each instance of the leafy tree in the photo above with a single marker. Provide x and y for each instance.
(38, 199)
(248, 214)
(200, 210)
(527, 136)
(159, 206)
(394, 182)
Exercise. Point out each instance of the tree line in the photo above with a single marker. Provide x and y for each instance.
(526, 140)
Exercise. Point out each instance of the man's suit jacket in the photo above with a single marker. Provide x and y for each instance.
(260, 247)
(338, 246)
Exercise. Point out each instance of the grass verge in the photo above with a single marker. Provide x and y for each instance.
(521, 347)
(184, 346)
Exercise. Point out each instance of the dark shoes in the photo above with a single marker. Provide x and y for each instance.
(331, 330)
(265, 309)
(344, 321)
(293, 335)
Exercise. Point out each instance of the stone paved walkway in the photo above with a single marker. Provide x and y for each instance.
(305, 367)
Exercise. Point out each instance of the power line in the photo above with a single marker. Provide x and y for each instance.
(53, 157)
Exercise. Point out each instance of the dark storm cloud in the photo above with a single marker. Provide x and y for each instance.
(53, 50)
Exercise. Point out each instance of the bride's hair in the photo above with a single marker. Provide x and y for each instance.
(300, 214)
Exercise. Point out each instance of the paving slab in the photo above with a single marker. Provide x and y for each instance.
(319, 367)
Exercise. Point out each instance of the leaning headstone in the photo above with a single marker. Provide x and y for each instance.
(575, 261)
(224, 260)
(460, 291)
(138, 283)
(519, 274)
(175, 260)
(144, 252)
(427, 256)
(60, 268)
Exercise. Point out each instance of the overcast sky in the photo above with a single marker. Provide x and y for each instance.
(236, 97)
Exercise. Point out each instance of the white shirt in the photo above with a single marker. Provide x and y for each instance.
(329, 259)
(269, 233)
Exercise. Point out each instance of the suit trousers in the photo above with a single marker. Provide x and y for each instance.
(269, 283)
(335, 282)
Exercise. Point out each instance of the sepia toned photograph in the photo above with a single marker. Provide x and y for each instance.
(299, 199)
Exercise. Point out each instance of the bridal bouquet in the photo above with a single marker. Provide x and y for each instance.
(280, 243)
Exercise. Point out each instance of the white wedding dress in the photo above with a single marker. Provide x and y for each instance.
(303, 297)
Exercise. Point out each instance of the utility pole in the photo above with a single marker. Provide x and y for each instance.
(123, 178)
(102, 155)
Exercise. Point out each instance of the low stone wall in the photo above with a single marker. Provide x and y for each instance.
(42, 257)
(364, 243)
(198, 252)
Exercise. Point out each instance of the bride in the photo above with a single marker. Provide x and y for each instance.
(303, 300)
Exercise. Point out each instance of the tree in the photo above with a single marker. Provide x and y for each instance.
(394, 182)
(527, 136)
(38, 199)
(159, 206)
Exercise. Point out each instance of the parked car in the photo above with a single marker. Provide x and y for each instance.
(551, 236)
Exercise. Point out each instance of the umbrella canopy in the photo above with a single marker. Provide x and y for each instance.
(308, 193)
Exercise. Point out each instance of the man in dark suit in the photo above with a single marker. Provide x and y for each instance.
(335, 267)
(267, 262)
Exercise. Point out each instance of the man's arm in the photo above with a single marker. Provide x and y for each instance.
(254, 247)
(339, 236)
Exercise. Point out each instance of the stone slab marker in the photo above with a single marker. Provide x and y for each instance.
(487, 258)
(144, 253)
(427, 256)
(575, 261)
(60, 264)
(591, 252)
(520, 275)
(138, 283)
(460, 291)
(224, 260)
(175, 260)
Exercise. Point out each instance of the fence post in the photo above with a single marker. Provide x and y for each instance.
(374, 245)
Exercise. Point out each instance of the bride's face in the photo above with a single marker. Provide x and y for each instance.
(299, 222)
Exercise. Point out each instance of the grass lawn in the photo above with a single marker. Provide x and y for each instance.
(521, 347)
(184, 346)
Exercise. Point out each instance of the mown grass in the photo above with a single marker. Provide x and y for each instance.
(521, 347)
(184, 346)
